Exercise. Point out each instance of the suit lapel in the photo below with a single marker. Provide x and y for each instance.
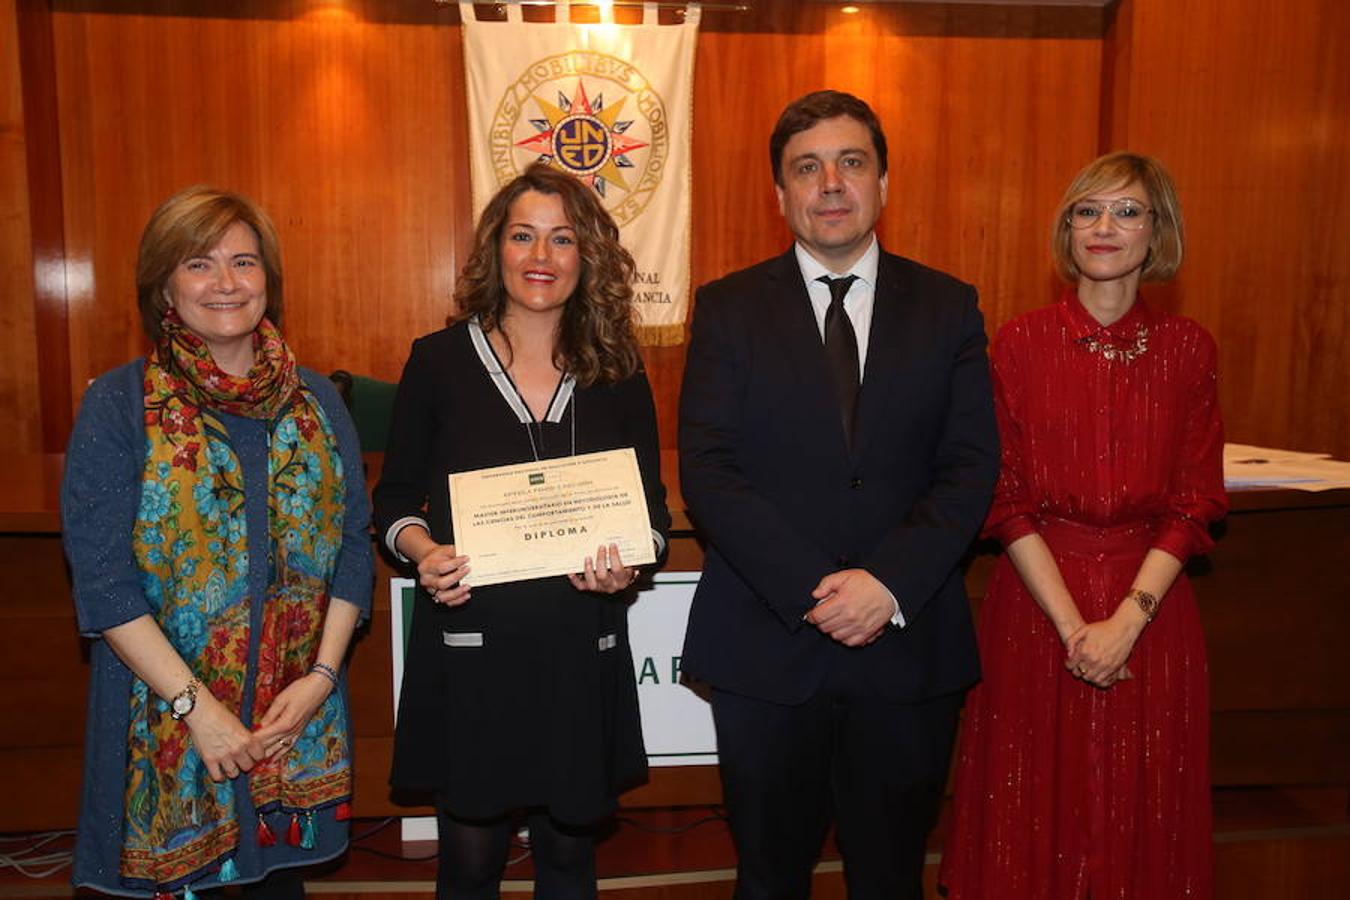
(789, 315)
(886, 339)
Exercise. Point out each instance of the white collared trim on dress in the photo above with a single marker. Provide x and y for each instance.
(562, 395)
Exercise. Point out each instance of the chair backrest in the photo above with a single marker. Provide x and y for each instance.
(371, 403)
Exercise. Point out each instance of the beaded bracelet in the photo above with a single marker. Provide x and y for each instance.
(326, 671)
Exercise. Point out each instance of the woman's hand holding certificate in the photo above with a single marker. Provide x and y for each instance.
(441, 572)
(605, 574)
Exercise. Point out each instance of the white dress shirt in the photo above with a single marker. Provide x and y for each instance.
(857, 302)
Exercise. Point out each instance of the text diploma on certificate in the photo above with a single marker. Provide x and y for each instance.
(538, 519)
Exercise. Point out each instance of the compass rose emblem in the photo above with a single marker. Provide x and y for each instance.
(591, 115)
(584, 137)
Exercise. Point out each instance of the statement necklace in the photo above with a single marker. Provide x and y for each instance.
(1111, 351)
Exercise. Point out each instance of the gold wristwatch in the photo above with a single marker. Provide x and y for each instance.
(185, 701)
(1147, 602)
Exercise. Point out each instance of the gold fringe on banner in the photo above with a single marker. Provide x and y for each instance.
(668, 335)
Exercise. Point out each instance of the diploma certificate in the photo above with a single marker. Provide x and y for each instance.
(538, 519)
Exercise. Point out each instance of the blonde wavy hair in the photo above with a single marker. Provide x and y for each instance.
(597, 336)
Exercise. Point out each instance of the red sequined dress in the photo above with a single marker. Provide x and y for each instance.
(1112, 444)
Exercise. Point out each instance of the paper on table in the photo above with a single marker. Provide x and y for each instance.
(1246, 466)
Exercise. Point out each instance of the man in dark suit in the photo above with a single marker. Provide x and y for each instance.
(838, 453)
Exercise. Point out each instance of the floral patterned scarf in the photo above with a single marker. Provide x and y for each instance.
(191, 546)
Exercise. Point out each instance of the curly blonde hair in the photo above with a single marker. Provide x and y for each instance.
(597, 336)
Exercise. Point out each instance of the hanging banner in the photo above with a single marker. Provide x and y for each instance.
(609, 104)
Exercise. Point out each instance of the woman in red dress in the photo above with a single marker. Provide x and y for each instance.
(1084, 761)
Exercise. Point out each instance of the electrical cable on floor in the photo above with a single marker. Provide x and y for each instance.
(397, 857)
(28, 862)
(383, 854)
(518, 840)
(374, 829)
(714, 816)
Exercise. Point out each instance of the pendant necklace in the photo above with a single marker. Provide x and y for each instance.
(530, 426)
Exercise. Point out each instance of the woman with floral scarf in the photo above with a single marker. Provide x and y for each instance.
(215, 521)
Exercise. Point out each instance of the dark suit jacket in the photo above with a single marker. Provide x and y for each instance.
(771, 484)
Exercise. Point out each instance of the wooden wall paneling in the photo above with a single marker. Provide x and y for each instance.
(1280, 747)
(103, 193)
(20, 391)
(1288, 661)
(988, 113)
(1290, 866)
(1245, 105)
(46, 211)
(992, 111)
(379, 233)
(348, 132)
(42, 685)
(737, 100)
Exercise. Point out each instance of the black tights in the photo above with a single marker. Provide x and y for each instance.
(473, 854)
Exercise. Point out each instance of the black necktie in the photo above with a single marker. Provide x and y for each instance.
(841, 349)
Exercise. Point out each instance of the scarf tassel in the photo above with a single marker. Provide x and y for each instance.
(308, 833)
(293, 832)
(228, 870)
(266, 837)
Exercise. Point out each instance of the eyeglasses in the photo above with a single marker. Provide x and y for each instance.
(1128, 214)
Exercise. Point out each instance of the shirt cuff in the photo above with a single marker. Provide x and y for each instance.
(659, 541)
(391, 534)
(897, 618)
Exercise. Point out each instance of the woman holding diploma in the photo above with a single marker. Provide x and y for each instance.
(519, 698)
(1084, 761)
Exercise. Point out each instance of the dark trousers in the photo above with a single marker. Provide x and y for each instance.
(877, 768)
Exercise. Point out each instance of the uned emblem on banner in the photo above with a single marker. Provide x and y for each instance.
(591, 115)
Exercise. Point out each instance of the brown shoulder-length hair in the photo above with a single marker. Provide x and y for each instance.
(1115, 170)
(189, 224)
(597, 337)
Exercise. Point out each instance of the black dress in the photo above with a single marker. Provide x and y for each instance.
(525, 695)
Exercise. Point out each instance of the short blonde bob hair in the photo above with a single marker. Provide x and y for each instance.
(1115, 170)
(189, 224)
